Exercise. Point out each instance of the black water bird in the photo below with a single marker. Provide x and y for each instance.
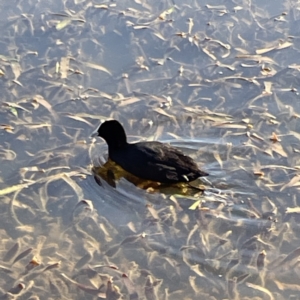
(151, 160)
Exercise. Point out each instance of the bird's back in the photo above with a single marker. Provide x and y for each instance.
(157, 162)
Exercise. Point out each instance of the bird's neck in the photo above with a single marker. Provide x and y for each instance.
(116, 145)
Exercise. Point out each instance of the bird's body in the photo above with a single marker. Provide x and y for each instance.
(148, 160)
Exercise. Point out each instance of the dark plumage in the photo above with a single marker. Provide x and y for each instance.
(148, 160)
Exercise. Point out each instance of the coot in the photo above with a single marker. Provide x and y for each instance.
(148, 160)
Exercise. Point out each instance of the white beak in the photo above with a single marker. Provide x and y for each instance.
(95, 132)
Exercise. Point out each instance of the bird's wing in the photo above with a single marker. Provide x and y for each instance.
(163, 154)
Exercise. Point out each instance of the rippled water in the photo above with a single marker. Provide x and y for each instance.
(219, 81)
